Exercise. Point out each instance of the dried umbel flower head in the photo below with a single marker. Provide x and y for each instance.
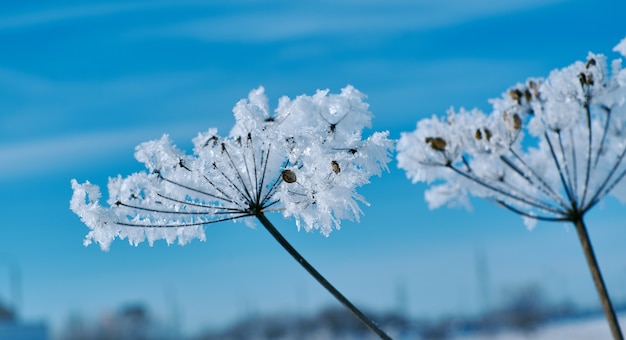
(558, 142)
(556, 154)
(250, 171)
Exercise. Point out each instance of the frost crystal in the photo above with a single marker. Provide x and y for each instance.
(551, 149)
(306, 160)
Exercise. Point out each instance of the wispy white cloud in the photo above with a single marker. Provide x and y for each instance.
(74, 151)
(34, 105)
(288, 21)
(60, 12)
(48, 16)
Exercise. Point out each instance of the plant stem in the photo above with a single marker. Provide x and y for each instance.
(609, 312)
(309, 268)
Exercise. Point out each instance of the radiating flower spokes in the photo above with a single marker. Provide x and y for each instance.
(306, 161)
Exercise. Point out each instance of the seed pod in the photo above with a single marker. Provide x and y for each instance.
(516, 95)
(533, 86)
(335, 166)
(213, 139)
(583, 79)
(436, 143)
(478, 135)
(527, 95)
(288, 176)
(488, 134)
(590, 62)
(517, 122)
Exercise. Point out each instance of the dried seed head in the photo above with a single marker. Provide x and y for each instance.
(590, 62)
(288, 176)
(335, 166)
(436, 143)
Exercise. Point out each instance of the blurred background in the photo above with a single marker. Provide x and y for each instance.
(82, 83)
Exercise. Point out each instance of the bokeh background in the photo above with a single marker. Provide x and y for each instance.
(82, 83)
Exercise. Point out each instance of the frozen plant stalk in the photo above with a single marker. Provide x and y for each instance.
(550, 150)
(305, 161)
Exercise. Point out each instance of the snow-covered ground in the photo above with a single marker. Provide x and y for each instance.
(585, 329)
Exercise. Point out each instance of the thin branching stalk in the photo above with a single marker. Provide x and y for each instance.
(538, 205)
(311, 270)
(557, 164)
(544, 187)
(589, 149)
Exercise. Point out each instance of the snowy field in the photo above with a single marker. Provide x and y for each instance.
(587, 329)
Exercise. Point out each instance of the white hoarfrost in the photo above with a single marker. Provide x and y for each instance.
(550, 150)
(305, 160)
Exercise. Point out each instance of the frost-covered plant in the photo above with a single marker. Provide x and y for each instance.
(550, 150)
(305, 161)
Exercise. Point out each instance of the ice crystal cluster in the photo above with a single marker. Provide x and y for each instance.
(549, 150)
(305, 160)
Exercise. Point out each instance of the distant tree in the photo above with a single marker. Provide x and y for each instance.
(524, 309)
(305, 161)
(550, 150)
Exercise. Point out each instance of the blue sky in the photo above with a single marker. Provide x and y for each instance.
(82, 83)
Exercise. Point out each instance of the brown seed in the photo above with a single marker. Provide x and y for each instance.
(583, 79)
(436, 143)
(533, 87)
(288, 176)
(335, 167)
(590, 62)
(527, 95)
(487, 134)
(517, 122)
(516, 95)
(478, 135)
